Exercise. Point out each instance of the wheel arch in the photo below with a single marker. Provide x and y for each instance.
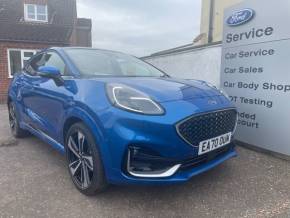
(76, 115)
(9, 99)
(79, 115)
(68, 123)
(12, 98)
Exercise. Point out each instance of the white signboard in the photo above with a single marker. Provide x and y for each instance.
(256, 71)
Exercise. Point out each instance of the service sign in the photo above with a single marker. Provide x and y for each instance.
(256, 71)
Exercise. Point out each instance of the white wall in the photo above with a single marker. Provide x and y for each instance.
(203, 64)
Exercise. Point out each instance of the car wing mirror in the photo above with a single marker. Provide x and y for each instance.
(51, 72)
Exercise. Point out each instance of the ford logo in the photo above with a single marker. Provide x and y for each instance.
(240, 17)
(212, 102)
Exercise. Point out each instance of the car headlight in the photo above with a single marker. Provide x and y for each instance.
(127, 98)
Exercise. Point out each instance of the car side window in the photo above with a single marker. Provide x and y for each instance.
(46, 59)
(52, 59)
(34, 64)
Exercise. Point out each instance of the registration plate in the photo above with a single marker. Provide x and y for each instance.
(214, 143)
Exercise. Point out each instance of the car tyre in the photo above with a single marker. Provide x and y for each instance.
(84, 160)
(16, 131)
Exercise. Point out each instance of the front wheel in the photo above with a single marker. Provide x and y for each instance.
(84, 162)
(14, 122)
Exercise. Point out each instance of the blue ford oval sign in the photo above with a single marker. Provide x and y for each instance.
(240, 17)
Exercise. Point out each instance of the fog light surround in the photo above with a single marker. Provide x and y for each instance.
(139, 164)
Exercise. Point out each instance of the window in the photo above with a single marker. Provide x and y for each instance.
(34, 12)
(46, 59)
(52, 59)
(17, 59)
(35, 63)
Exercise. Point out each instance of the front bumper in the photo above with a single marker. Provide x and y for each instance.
(123, 130)
(181, 175)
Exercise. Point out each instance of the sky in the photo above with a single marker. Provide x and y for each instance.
(142, 27)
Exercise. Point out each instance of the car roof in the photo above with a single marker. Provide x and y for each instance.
(85, 48)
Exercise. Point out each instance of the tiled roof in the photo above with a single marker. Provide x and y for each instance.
(61, 16)
(35, 33)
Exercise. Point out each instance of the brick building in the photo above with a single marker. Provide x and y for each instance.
(27, 26)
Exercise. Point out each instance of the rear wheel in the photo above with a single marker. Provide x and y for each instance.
(84, 161)
(14, 122)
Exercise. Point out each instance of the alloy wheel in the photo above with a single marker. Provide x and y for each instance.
(80, 159)
(12, 117)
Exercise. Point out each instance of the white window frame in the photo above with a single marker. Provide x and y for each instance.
(22, 51)
(36, 13)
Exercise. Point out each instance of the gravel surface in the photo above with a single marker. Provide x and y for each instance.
(34, 182)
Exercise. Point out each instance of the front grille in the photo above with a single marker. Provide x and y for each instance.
(206, 126)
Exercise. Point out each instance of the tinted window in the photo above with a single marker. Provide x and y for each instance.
(46, 59)
(36, 62)
(93, 62)
(54, 60)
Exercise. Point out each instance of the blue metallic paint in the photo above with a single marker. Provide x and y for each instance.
(44, 109)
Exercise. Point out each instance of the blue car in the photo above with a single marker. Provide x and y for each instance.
(120, 120)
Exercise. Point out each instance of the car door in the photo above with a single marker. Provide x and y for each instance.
(25, 93)
(45, 102)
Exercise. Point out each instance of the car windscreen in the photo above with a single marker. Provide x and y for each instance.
(93, 62)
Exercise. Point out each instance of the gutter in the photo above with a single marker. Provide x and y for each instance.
(211, 17)
(34, 42)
